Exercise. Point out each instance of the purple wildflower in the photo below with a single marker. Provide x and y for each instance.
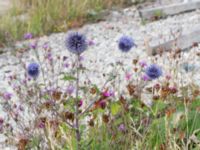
(66, 65)
(45, 46)
(70, 89)
(102, 104)
(80, 103)
(81, 58)
(108, 93)
(128, 76)
(122, 127)
(143, 64)
(90, 42)
(7, 96)
(49, 57)
(28, 36)
(145, 78)
(41, 125)
(33, 45)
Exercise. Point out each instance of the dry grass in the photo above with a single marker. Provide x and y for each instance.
(46, 16)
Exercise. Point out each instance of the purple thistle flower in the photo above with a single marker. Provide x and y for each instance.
(108, 93)
(90, 42)
(33, 45)
(145, 78)
(153, 71)
(81, 58)
(70, 89)
(45, 46)
(33, 70)
(80, 103)
(126, 43)
(7, 96)
(49, 57)
(66, 65)
(28, 36)
(41, 125)
(128, 76)
(122, 127)
(76, 43)
(143, 64)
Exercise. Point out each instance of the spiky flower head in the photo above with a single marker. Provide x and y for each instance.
(76, 42)
(126, 43)
(33, 70)
(153, 71)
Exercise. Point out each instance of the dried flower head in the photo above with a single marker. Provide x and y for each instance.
(76, 42)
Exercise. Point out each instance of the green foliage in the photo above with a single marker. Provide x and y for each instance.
(48, 16)
(68, 78)
(115, 108)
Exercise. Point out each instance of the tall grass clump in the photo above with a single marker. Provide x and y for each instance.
(47, 16)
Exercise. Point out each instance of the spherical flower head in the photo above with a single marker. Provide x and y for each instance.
(76, 42)
(153, 71)
(126, 43)
(33, 70)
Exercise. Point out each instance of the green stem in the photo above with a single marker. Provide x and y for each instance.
(78, 135)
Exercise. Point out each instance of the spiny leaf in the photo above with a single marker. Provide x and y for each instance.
(115, 108)
(68, 78)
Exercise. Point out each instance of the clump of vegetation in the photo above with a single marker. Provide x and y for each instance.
(55, 106)
(47, 16)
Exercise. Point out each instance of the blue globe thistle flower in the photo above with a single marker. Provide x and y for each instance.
(76, 42)
(126, 43)
(33, 70)
(153, 71)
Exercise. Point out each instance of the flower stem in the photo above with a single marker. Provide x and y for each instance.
(78, 135)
